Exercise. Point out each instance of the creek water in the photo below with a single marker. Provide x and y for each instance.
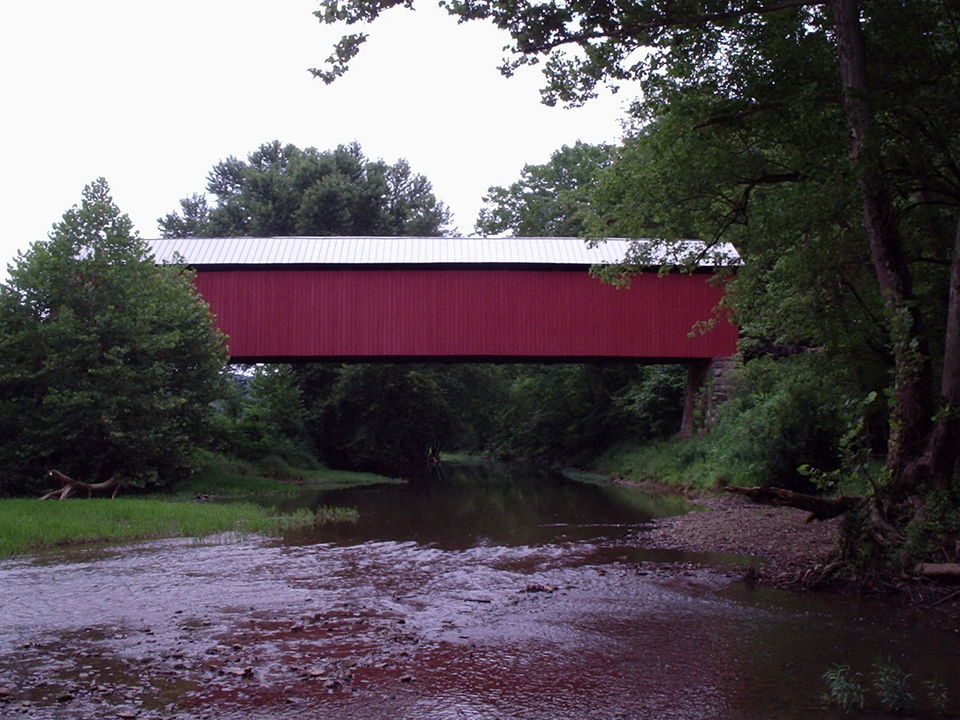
(489, 592)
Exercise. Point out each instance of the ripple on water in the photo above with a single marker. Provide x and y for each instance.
(431, 624)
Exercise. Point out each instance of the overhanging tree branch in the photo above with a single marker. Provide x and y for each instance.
(634, 30)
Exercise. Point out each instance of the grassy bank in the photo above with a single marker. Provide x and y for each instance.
(679, 462)
(225, 477)
(245, 495)
(707, 462)
(29, 524)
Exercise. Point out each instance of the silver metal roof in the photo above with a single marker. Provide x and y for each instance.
(424, 251)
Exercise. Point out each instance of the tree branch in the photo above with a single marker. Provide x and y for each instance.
(731, 117)
(69, 485)
(633, 30)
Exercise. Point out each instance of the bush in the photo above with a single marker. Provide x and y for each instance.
(787, 414)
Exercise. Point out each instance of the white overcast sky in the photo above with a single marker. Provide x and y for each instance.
(151, 95)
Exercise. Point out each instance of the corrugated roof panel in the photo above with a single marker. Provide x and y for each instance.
(413, 250)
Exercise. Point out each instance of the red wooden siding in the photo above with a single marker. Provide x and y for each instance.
(461, 313)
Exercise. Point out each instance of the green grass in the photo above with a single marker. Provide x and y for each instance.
(28, 525)
(679, 462)
(225, 477)
(462, 458)
(706, 462)
(246, 496)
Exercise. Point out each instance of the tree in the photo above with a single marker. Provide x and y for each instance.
(282, 190)
(572, 413)
(883, 135)
(391, 418)
(263, 419)
(108, 362)
(548, 200)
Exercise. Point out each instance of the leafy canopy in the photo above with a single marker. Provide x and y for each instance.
(548, 200)
(108, 362)
(281, 190)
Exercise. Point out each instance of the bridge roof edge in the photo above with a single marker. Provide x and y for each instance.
(361, 251)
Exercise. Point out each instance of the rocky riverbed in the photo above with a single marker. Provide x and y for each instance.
(589, 613)
(731, 524)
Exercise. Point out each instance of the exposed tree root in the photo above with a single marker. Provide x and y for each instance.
(69, 486)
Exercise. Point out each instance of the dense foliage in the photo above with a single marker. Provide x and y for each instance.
(282, 190)
(262, 419)
(572, 413)
(108, 361)
(549, 200)
(391, 418)
(758, 153)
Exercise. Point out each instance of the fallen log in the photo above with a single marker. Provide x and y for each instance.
(69, 486)
(939, 570)
(820, 508)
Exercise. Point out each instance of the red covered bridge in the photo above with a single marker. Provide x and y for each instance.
(490, 299)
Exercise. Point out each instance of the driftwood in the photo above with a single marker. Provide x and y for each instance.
(820, 508)
(69, 486)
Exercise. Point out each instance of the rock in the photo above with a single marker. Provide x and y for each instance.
(64, 697)
(406, 678)
(540, 587)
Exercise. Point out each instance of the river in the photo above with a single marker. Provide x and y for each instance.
(491, 592)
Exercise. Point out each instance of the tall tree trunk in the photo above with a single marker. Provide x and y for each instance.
(696, 374)
(939, 461)
(912, 412)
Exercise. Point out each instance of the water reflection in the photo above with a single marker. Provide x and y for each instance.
(488, 504)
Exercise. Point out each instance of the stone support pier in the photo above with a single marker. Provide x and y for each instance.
(707, 387)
